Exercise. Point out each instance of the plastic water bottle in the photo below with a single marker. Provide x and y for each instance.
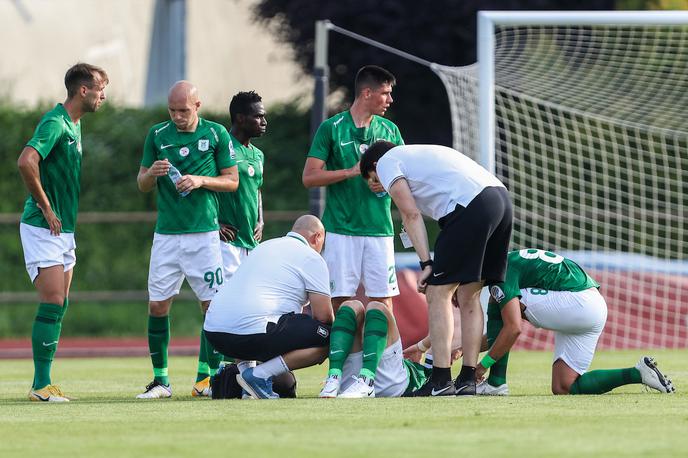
(381, 194)
(175, 176)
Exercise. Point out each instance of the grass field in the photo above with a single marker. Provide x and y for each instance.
(108, 421)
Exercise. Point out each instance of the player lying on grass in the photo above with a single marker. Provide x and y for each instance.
(375, 366)
(554, 293)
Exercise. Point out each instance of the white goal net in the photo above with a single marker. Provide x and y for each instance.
(591, 138)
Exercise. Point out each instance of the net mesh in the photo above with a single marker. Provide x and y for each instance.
(592, 142)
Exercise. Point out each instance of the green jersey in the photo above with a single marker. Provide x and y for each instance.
(240, 208)
(203, 152)
(58, 141)
(351, 208)
(541, 270)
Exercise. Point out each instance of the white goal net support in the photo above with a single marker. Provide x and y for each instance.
(583, 117)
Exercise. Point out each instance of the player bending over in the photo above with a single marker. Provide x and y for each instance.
(553, 292)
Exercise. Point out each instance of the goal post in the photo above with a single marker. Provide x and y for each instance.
(581, 114)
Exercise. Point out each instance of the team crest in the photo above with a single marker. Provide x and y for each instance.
(323, 332)
(497, 293)
(251, 171)
(203, 144)
(363, 148)
(183, 151)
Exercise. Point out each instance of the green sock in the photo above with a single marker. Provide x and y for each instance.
(203, 368)
(63, 312)
(341, 338)
(603, 380)
(494, 325)
(158, 341)
(374, 341)
(44, 337)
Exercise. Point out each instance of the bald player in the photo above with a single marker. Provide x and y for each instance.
(188, 159)
(258, 314)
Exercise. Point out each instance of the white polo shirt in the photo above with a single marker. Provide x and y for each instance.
(273, 281)
(439, 177)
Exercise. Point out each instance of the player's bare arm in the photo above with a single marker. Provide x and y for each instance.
(28, 164)
(147, 176)
(414, 224)
(321, 307)
(227, 181)
(511, 316)
(258, 231)
(314, 173)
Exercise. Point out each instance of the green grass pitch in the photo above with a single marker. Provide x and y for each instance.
(107, 420)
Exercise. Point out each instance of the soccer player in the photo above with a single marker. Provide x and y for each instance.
(189, 160)
(258, 315)
(553, 292)
(357, 217)
(474, 213)
(241, 212)
(50, 165)
(373, 367)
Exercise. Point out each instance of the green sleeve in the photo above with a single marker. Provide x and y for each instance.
(45, 137)
(399, 140)
(149, 153)
(322, 142)
(503, 292)
(224, 157)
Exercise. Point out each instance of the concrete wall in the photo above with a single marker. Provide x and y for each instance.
(226, 52)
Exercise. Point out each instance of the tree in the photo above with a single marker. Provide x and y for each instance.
(442, 31)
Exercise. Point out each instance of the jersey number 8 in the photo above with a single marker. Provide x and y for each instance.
(542, 255)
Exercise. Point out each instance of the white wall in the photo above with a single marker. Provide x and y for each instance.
(226, 52)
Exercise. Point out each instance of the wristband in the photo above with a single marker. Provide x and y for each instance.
(487, 361)
(421, 346)
(424, 264)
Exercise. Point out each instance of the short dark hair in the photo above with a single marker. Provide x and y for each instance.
(372, 155)
(82, 74)
(241, 103)
(372, 76)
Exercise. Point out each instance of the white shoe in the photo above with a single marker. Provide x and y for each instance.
(361, 388)
(330, 387)
(156, 390)
(485, 389)
(652, 377)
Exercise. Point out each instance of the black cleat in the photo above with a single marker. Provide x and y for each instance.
(434, 389)
(464, 388)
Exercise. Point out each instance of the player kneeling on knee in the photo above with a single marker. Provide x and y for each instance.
(554, 293)
(257, 315)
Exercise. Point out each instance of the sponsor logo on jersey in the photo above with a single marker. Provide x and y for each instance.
(232, 153)
(203, 144)
(345, 143)
(323, 332)
(183, 151)
(251, 171)
(497, 293)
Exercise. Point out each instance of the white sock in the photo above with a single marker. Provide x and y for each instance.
(275, 366)
(243, 365)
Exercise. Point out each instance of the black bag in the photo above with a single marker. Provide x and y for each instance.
(224, 384)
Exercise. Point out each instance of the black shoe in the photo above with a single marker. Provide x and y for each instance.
(433, 389)
(464, 388)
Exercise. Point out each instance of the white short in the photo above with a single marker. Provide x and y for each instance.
(41, 249)
(195, 257)
(232, 256)
(391, 377)
(352, 260)
(577, 319)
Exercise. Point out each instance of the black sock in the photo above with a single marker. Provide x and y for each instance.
(467, 374)
(441, 375)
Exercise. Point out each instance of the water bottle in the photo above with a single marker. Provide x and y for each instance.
(381, 194)
(175, 176)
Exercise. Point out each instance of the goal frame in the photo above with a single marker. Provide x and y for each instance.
(488, 21)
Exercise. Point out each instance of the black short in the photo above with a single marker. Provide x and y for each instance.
(292, 331)
(473, 241)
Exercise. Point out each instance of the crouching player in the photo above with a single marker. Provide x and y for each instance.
(375, 366)
(554, 293)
